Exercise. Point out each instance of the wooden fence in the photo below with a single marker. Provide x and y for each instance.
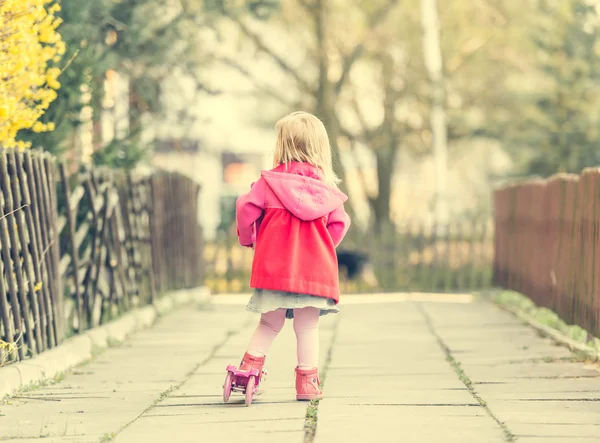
(547, 244)
(77, 251)
(409, 258)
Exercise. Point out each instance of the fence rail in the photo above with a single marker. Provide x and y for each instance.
(77, 251)
(547, 244)
(411, 257)
(30, 292)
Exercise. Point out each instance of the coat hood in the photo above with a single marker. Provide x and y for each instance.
(301, 190)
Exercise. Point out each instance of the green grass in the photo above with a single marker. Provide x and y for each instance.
(464, 378)
(163, 395)
(113, 342)
(312, 411)
(459, 371)
(579, 357)
(310, 422)
(33, 386)
(97, 350)
(59, 377)
(546, 317)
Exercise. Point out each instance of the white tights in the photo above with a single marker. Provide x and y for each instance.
(306, 327)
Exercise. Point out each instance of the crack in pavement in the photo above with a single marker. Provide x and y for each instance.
(508, 435)
(311, 420)
(164, 395)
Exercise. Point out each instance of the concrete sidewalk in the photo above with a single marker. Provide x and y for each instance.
(434, 372)
(399, 371)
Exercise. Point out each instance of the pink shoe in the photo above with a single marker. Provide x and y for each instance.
(250, 362)
(308, 386)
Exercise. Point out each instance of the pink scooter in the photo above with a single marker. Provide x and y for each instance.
(246, 382)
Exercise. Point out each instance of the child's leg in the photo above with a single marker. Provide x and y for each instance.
(266, 331)
(306, 326)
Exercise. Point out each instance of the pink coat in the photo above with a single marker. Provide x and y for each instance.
(296, 222)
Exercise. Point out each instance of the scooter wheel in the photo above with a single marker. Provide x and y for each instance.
(227, 387)
(250, 388)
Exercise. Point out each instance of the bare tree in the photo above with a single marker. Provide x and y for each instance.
(405, 68)
(325, 90)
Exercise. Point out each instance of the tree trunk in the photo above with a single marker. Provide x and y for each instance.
(326, 100)
(135, 107)
(433, 63)
(325, 103)
(385, 172)
(386, 152)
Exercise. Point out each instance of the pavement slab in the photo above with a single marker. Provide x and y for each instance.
(408, 370)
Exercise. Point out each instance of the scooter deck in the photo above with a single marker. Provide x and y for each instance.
(246, 374)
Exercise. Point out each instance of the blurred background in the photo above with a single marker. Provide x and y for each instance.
(429, 106)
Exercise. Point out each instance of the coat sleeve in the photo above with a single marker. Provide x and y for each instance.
(338, 224)
(248, 209)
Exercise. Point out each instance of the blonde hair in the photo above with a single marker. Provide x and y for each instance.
(302, 137)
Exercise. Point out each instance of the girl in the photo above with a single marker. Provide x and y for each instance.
(294, 218)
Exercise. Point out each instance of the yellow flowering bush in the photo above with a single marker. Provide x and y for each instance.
(30, 46)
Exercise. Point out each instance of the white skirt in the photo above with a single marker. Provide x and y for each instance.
(265, 300)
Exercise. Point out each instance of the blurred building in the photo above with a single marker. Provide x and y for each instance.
(212, 140)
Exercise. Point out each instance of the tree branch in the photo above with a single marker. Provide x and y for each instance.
(367, 134)
(512, 61)
(497, 12)
(470, 49)
(200, 86)
(359, 115)
(349, 60)
(310, 8)
(13, 211)
(361, 176)
(271, 53)
(246, 73)
(117, 24)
